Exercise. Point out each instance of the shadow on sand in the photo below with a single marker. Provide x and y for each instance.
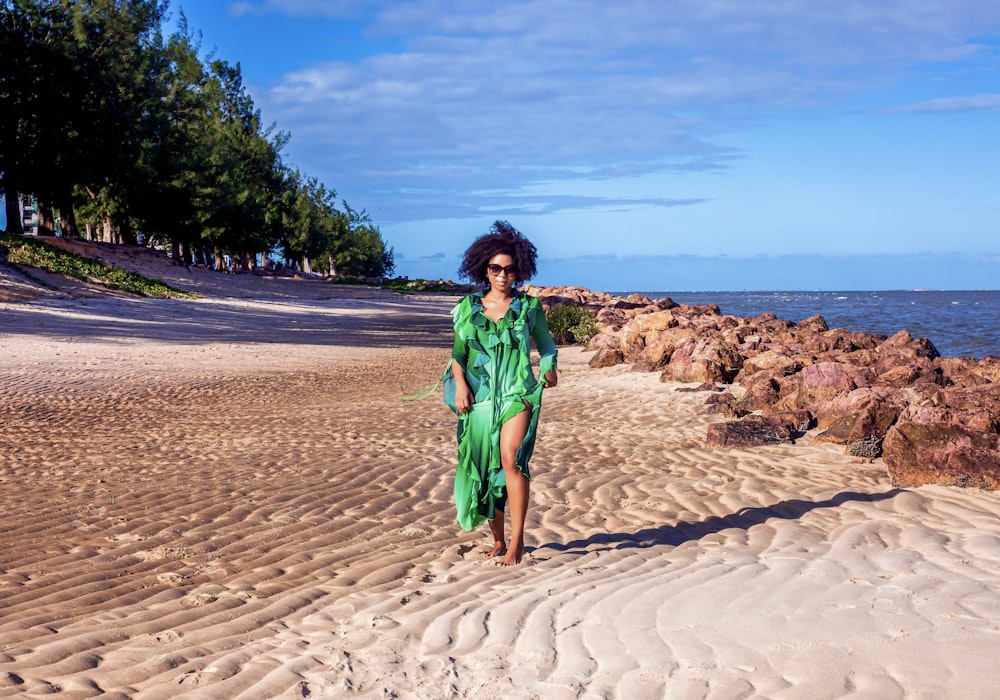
(382, 320)
(745, 518)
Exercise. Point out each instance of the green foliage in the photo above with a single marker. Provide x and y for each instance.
(108, 122)
(572, 324)
(38, 254)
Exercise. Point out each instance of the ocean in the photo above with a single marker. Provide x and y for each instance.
(960, 324)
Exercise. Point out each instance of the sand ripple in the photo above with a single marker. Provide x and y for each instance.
(225, 518)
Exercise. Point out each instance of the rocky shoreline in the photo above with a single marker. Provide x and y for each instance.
(931, 419)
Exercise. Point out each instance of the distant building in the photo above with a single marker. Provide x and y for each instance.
(29, 214)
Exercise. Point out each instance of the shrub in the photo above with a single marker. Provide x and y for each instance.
(32, 252)
(572, 324)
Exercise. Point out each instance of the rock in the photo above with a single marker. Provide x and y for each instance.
(941, 453)
(707, 359)
(656, 321)
(606, 351)
(799, 421)
(902, 349)
(777, 362)
(900, 376)
(834, 375)
(924, 413)
(816, 324)
(957, 370)
(869, 430)
(988, 370)
(762, 392)
(751, 431)
(725, 404)
(837, 340)
(660, 346)
(840, 430)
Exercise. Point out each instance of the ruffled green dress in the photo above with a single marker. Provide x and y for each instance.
(496, 358)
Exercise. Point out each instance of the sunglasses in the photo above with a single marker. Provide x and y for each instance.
(495, 270)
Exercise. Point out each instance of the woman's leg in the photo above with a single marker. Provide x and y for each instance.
(499, 541)
(511, 435)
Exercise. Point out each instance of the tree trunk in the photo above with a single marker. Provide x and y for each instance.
(220, 263)
(306, 267)
(46, 224)
(333, 268)
(126, 233)
(13, 209)
(107, 231)
(175, 252)
(68, 219)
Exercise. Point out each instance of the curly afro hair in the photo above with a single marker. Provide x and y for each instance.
(503, 239)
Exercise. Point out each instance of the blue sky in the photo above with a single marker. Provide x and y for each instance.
(647, 144)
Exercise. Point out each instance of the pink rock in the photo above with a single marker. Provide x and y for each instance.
(941, 453)
(834, 375)
(751, 431)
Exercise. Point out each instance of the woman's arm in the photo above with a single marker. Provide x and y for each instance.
(463, 393)
(540, 333)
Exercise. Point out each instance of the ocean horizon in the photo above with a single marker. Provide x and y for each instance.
(958, 323)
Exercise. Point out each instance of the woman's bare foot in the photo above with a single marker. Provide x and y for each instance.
(513, 556)
(499, 549)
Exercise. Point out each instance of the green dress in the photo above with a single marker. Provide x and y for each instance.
(496, 358)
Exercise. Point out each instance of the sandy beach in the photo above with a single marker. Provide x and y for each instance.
(226, 498)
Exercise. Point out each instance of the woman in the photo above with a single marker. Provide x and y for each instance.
(497, 395)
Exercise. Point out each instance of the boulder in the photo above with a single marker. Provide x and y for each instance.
(772, 360)
(839, 431)
(815, 324)
(607, 353)
(902, 349)
(723, 403)
(751, 431)
(704, 386)
(761, 392)
(656, 321)
(852, 402)
(987, 370)
(869, 430)
(704, 359)
(837, 376)
(800, 421)
(941, 453)
(660, 346)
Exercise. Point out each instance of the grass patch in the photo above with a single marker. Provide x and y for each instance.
(32, 252)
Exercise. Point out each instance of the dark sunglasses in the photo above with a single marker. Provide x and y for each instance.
(495, 270)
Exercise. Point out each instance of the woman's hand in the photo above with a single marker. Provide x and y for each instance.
(551, 378)
(463, 398)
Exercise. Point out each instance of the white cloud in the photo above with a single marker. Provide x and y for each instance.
(493, 97)
(987, 102)
(296, 8)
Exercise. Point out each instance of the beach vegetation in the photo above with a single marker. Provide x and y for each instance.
(36, 253)
(119, 133)
(572, 324)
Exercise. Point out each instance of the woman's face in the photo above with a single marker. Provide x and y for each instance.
(501, 273)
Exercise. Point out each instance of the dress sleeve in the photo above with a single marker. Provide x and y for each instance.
(460, 351)
(460, 347)
(543, 338)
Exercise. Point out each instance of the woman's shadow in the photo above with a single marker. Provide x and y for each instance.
(679, 533)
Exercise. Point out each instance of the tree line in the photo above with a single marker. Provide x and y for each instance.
(123, 130)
